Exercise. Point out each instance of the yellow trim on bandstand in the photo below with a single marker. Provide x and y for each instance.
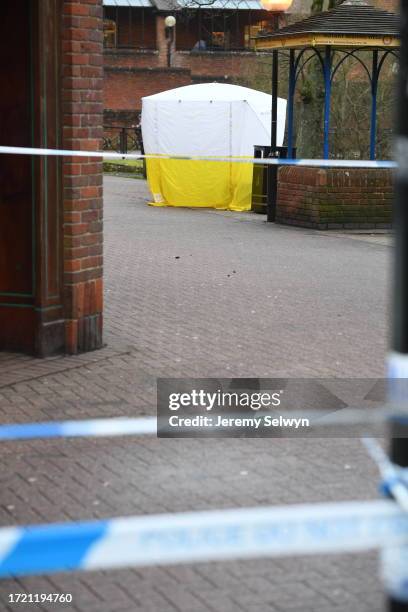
(324, 40)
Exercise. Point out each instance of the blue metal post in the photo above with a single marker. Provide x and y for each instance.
(291, 101)
(273, 170)
(327, 100)
(374, 90)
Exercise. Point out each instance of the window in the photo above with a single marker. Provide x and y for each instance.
(218, 30)
(129, 28)
(252, 30)
(109, 33)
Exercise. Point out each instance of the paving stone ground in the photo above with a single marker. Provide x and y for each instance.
(202, 293)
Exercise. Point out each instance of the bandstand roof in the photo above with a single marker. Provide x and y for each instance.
(353, 23)
(174, 5)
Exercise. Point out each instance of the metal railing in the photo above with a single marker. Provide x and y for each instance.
(122, 139)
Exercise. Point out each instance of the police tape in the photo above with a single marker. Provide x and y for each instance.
(397, 366)
(145, 426)
(345, 527)
(321, 163)
(395, 478)
(92, 428)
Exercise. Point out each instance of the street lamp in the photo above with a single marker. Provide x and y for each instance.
(277, 7)
(170, 23)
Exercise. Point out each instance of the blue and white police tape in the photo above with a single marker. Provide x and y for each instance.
(203, 536)
(397, 365)
(394, 570)
(394, 559)
(321, 163)
(395, 478)
(144, 426)
(92, 428)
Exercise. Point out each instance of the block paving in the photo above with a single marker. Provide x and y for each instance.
(202, 293)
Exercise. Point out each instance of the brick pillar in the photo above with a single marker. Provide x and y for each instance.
(162, 41)
(82, 99)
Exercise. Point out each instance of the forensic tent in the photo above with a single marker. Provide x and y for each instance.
(211, 120)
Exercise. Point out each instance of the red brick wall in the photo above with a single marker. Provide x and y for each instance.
(82, 94)
(130, 75)
(216, 64)
(206, 64)
(124, 88)
(130, 58)
(162, 41)
(388, 5)
(335, 198)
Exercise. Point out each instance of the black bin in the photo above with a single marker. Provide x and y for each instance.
(260, 176)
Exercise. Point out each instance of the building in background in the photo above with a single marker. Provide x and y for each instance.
(212, 41)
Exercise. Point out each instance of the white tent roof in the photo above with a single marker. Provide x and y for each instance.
(209, 119)
(222, 92)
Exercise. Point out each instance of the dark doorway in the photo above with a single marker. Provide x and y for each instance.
(16, 172)
(30, 188)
